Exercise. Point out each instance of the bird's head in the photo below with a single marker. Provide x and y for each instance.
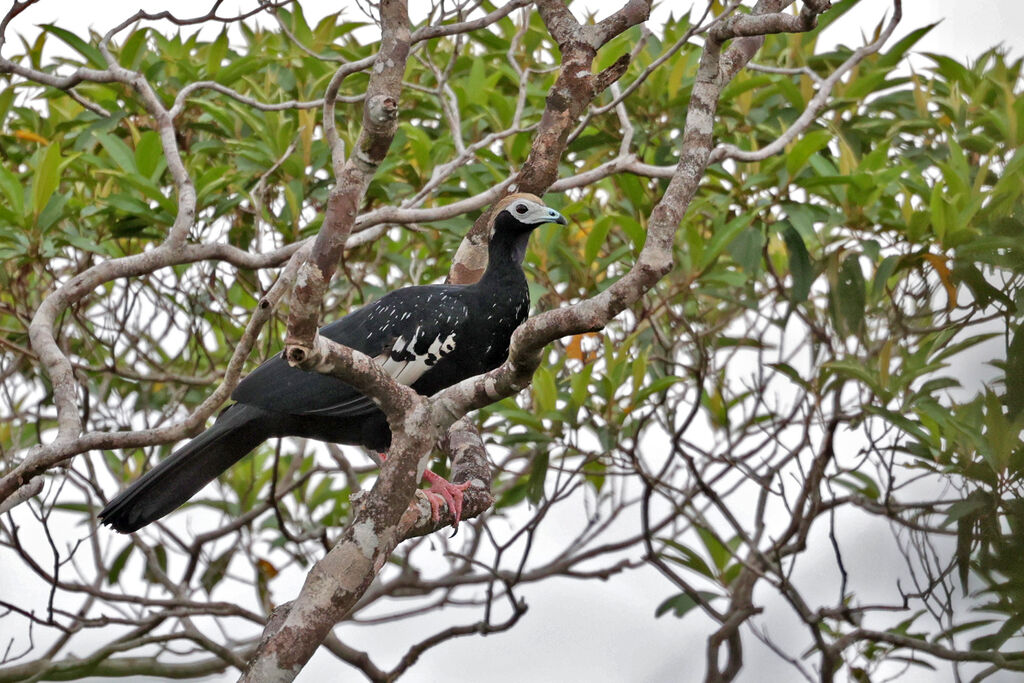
(522, 212)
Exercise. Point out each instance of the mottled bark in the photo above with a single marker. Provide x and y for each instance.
(380, 122)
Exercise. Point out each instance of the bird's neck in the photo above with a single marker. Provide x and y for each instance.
(505, 255)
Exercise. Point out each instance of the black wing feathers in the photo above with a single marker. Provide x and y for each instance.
(406, 331)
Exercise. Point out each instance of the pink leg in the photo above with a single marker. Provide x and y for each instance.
(442, 491)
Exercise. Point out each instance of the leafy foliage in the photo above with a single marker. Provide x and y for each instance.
(842, 330)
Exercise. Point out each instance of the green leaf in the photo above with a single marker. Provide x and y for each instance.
(854, 369)
(864, 485)
(850, 295)
(118, 564)
(476, 92)
(897, 419)
(938, 211)
(1009, 629)
(53, 211)
(149, 573)
(895, 54)
(885, 270)
(46, 178)
(91, 53)
(799, 265)
(633, 229)
(216, 570)
(1014, 375)
(13, 191)
(545, 393)
(747, 248)
(596, 239)
(681, 604)
(723, 236)
(119, 151)
(658, 386)
(538, 472)
(688, 558)
(579, 385)
(720, 554)
(218, 50)
(677, 75)
(149, 154)
(809, 144)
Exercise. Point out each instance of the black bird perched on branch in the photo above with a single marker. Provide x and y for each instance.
(427, 337)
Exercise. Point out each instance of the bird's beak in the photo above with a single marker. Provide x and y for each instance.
(555, 217)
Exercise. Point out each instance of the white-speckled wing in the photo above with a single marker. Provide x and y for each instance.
(407, 332)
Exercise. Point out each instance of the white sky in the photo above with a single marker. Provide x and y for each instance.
(966, 28)
(594, 631)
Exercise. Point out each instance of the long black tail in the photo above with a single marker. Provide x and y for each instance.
(238, 430)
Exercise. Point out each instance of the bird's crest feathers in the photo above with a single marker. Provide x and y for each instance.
(508, 199)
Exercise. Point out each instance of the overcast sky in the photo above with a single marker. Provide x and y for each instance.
(966, 28)
(594, 631)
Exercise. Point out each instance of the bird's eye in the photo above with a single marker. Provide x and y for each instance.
(521, 208)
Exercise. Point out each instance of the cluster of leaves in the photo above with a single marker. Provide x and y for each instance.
(891, 232)
(886, 240)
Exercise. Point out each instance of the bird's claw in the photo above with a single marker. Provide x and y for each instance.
(442, 490)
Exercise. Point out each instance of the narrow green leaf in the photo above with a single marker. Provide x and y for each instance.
(656, 387)
(538, 472)
(809, 144)
(596, 239)
(1010, 628)
(864, 485)
(216, 570)
(747, 248)
(799, 265)
(633, 230)
(719, 553)
(46, 178)
(90, 52)
(897, 419)
(545, 393)
(937, 211)
(6, 100)
(476, 91)
(118, 564)
(119, 151)
(851, 295)
(12, 190)
(724, 236)
(1014, 376)
(687, 557)
(217, 51)
(885, 270)
(681, 604)
(579, 385)
(149, 573)
(53, 210)
(149, 154)
(895, 54)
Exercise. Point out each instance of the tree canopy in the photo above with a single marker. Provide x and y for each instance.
(801, 404)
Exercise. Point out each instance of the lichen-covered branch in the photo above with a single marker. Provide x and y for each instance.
(380, 121)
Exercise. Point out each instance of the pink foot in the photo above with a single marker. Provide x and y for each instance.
(443, 491)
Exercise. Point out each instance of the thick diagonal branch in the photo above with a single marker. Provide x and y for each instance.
(380, 122)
